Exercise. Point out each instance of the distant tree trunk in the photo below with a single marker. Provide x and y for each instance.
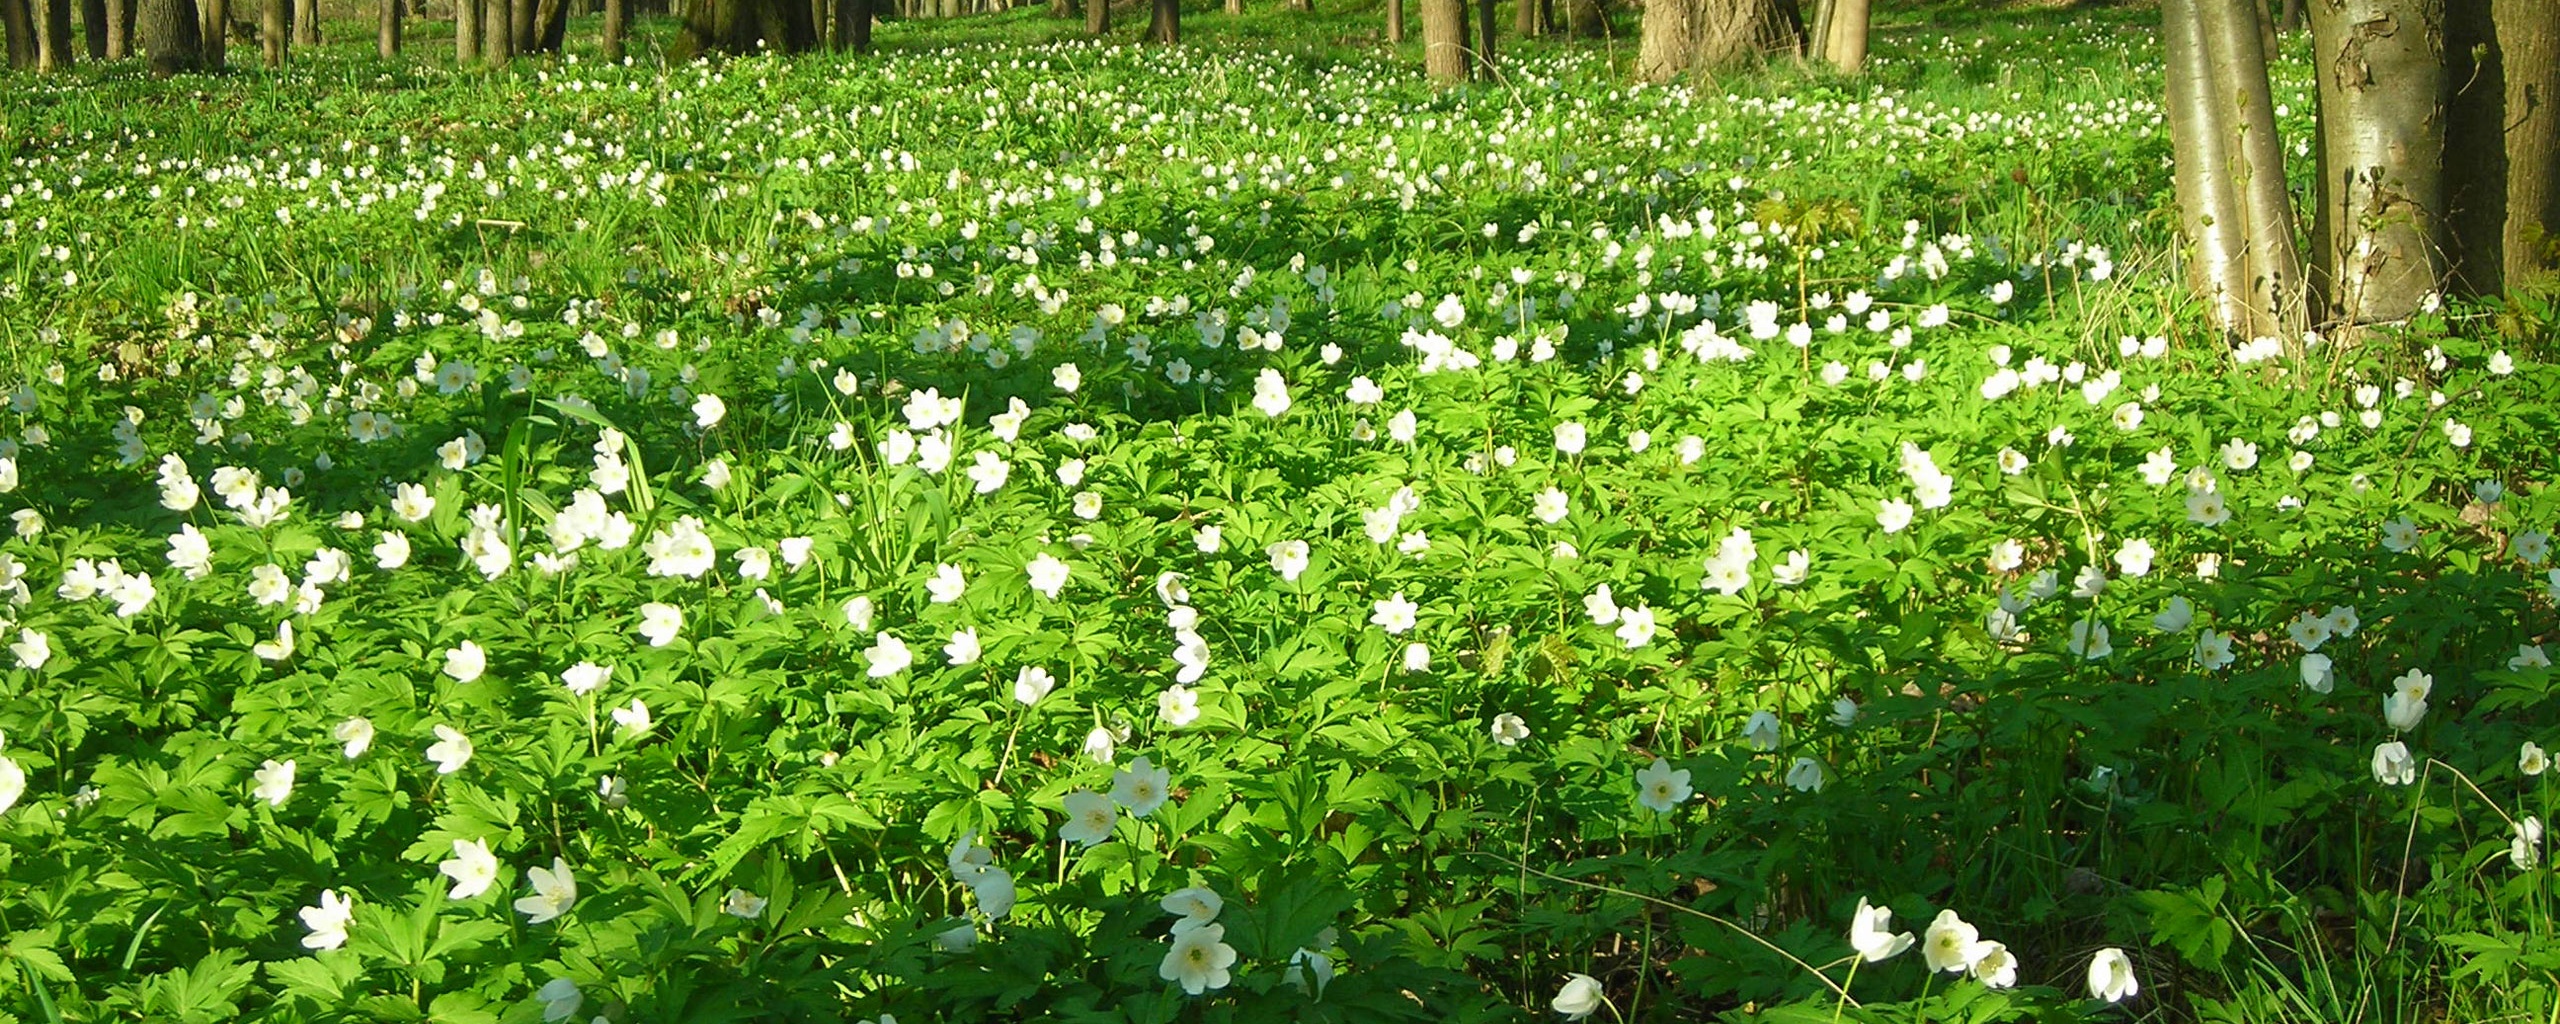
(306, 22)
(1303, 6)
(1524, 19)
(466, 31)
(1684, 37)
(1845, 45)
(1164, 22)
(217, 34)
(119, 29)
(1485, 20)
(93, 22)
(1586, 19)
(2381, 190)
(271, 32)
(1097, 17)
(497, 33)
(853, 25)
(2290, 21)
(170, 36)
(386, 43)
(520, 17)
(19, 24)
(617, 24)
(1060, 9)
(1235, 8)
(1395, 22)
(48, 53)
(550, 26)
(2502, 143)
(1444, 40)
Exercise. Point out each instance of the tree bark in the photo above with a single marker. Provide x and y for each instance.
(1235, 8)
(19, 24)
(617, 25)
(386, 43)
(1164, 22)
(2290, 21)
(497, 33)
(853, 25)
(2380, 65)
(2502, 129)
(271, 32)
(520, 19)
(2252, 158)
(48, 52)
(466, 31)
(1444, 40)
(1482, 66)
(217, 34)
(1845, 43)
(1586, 19)
(2208, 207)
(306, 22)
(1684, 37)
(93, 23)
(170, 36)
(1524, 19)
(1395, 22)
(119, 29)
(1097, 17)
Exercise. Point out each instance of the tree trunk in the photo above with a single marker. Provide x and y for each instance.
(1845, 42)
(119, 29)
(1235, 8)
(1395, 22)
(2251, 157)
(1483, 64)
(1164, 22)
(306, 22)
(520, 22)
(48, 53)
(1097, 17)
(617, 25)
(497, 33)
(551, 26)
(271, 32)
(853, 25)
(1302, 6)
(19, 24)
(2208, 205)
(169, 34)
(1524, 19)
(2502, 134)
(2381, 67)
(217, 34)
(466, 31)
(93, 22)
(2290, 21)
(1444, 40)
(1683, 37)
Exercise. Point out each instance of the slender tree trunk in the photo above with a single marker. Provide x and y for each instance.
(853, 25)
(1303, 6)
(1845, 37)
(93, 24)
(1097, 17)
(217, 34)
(1524, 19)
(1395, 22)
(1483, 64)
(1164, 22)
(386, 43)
(1444, 40)
(119, 29)
(2290, 21)
(48, 53)
(497, 33)
(2381, 67)
(19, 24)
(617, 25)
(306, 22)
(520, 20)
(1235, 8)
(466, 31)
(169, 35)
(2252, 158)
(271, 32)
(2208, 205)
(2502, 143)
(1061, 9)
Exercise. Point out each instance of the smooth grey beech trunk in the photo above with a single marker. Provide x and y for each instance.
(2208, 208)
(2380, 65)
(1444, 40)
(2269, 256)
(2502, 142)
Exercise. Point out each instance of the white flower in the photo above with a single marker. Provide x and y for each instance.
(1793, 569)
(473, 868)
(2175, 616)
(1090, 819)
(1270, 393)
(2399, 535)
(1100, 745)
(1661, 789)
(858, 612)
(1996, 967)
(2525, 849)
(660, 622)
(1032, 683)
(1178, 706)
(1199, 959)
(1048, 574)
(2089, 639)
(1141, 787)
(328, 921)
(274, 782)
(708, 410)
(1571, 438)
(13, 783)
(2111, 976)
(1761, 731)
(1509, 730)
(585, 677)
(356, 733)
(963, 648)
(465, 663)
(2213, 651)
(2531, 760)
(1951, 944)
(2133, 558)
(947, 584)
(1601, 606)
(1579, 998)
(2238, 455)
(392, 551)
(887, 656)
(1893, 514)
(632, 719)
(2393, 765)
(1288, 558)
(1635, 626)
(1871, 934)
(2318, 675)
(1395, 614)
(560, 1000)
(451, 750)
(1552, 506)
(554, 890)
(742, 904)
(1806, 775)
